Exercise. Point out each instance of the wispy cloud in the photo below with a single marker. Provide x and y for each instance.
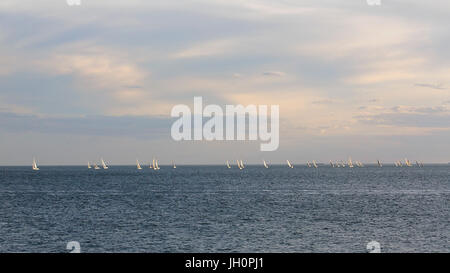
(438, 86)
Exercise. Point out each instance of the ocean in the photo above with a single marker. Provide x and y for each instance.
(215, 209)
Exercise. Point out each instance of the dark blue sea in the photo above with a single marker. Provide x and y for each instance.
(214, 209)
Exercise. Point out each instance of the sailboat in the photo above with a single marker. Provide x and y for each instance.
(96, 167)
(104, 164)
(265, 164)
(138, 166)
(350, 163)
(89, 165)
(173, 164)
(379, 163)
(308, 164)
(289, 164)
(156, 167)
(242, 164)
(239, 165)
(315, 164)
(408, 163)
(35, 167)
(359, 164)
(228, 165)
(331, 164)
(153, 165)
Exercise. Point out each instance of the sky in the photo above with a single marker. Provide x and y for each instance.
(100, 79)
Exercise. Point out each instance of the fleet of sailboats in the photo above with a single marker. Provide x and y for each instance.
(240, 164)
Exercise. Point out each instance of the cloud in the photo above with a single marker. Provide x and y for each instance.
(123, 126)
(273, 74)
(438, 86)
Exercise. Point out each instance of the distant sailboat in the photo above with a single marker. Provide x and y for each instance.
(242, 164)
(173, 164)
(228, 165)
(379, 164)
(359, 164)
(35, 167)
(315, 164)
(289, 164)
(138, 166)
(89, 165)
(265, 164)
(239, 165)
(154, 165)
(104, 165)
(350, 163)
(308, 164)
(408, 163)
(96, 167)
(331, 164)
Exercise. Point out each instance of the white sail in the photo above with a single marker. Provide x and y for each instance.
(331, 164)
(173, 164)
(242, 164)
(156, 165)
(289, 164)
(350, 163)
(152, 166)
(315, 164)
(408, 163)
(228, 165)
(35, 167)
(104, 164)
(265, 164)
(138, 166)
(89, 165)
(308, 164)
(379, 164)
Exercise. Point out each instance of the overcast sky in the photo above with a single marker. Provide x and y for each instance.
(99, 80)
